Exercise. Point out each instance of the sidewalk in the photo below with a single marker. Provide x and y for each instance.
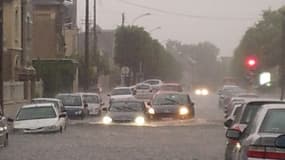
(11, 108)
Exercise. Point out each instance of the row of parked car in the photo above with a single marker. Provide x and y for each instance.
(254, 127)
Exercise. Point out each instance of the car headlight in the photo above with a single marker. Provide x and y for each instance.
(107, 120)
(205, 92)
(183, 111)
(198, 92)
(139, 120)
(3, 129)
(151, 111)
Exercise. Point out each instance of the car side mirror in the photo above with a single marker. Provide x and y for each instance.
(105, 109)
(228, 123)
(85, 105)
(233, 134)
(62, 115)
(148, 103)
(280, 141)
(10, 120)
(102, 103)
(109, 95)
(192, 104)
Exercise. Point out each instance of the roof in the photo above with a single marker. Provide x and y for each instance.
(127, 100)
(38, 105)
(46, 99)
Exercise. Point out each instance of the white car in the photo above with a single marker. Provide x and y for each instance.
(37, 118)
(94, 102)
(155, 83)
(143, 91)
(121, 93)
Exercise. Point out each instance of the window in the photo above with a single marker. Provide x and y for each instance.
(274, 121)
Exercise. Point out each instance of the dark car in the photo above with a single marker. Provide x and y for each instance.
(126, 111)
(172, 104)
(3, 131)
(248, 112)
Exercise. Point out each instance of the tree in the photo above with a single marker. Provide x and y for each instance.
(135, 47)
(262, 40)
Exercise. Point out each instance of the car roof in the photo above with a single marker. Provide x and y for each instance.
(171, 84)
(127, 100)
(274, 106)
(171, 92)
(68, 94)
(257, 100)
(121, 88)
(152, 80)
(38, 105)
(46, 99)
(88, 93)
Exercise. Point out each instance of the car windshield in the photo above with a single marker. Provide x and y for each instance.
(143, 87)
(152, 82)
(170, 99)
(70, 100)
(273, 121)
(91, 98)
(36, 113)
(127, 107)
(121, 92)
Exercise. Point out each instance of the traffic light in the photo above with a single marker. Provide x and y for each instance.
(251, 63)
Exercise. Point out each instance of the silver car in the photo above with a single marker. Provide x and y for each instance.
(258, 140)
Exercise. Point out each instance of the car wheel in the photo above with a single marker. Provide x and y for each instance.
(6, 142)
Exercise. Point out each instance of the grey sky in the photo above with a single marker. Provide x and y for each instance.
(226, 34)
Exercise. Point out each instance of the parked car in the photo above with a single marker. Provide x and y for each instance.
(143, 91)
(37, 118)
(93, 101)
(126, 111)
(237, 108)
(258, 139)
(234, 101)
(171, 104)
(74, 105)
(243, 118)
(155, 84)
(121, 93)
(227, 92)
(175, 87)
(4, 135)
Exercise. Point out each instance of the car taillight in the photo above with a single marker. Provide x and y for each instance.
(265, 152)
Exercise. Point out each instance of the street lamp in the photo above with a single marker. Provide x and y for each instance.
(138, 17)
(154, 29)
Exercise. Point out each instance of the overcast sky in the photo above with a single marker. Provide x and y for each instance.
(222, 22)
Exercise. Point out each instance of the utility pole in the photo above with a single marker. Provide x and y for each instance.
(97, 56)
(86, 85)
(123, 19)
(282, 62)
(1, 58)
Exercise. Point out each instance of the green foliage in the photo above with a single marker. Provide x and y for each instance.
(57, 75)
(134, 46)
(262, 40)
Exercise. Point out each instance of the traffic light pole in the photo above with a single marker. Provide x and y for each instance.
(1, 58)
(86, 76)
(282, 63)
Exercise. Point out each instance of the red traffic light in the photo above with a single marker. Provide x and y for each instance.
(251, 62)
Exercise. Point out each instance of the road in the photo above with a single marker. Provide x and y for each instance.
(198, 139)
